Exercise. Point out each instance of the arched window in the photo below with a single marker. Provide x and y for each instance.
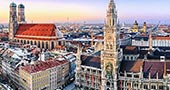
(108, 84)
(59, 42)
(52, 45)
(24, 41)
(46, 45)
(145, 86)
(35, 43)
(111, 46)
(31, 42)
(28, 42)
(153, 87)
(107, 46)
(42, 44)
(38, 43)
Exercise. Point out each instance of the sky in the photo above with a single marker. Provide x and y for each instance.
(89, 11)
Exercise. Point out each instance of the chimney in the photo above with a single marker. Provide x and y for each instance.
(157, 75)
(149, 76)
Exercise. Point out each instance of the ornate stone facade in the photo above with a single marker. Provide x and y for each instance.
(110, 57)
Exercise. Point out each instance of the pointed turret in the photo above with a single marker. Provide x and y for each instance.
(13, 24)
(21, 13)
(111, 14)
(78, 60)
(78, 65)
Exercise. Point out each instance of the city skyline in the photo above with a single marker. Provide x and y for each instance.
(88, 11)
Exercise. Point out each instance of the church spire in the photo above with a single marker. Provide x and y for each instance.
(112, 4)
(111, 14)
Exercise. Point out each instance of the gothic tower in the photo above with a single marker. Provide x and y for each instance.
(21, 13)
(12, 21)
(111, 55)
(78, 65)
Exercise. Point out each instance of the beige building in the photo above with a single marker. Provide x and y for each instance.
(48, 75)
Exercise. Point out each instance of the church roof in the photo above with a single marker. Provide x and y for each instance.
(35, 30)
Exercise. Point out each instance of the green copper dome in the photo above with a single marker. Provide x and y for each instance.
(21, 6)
(13, 4)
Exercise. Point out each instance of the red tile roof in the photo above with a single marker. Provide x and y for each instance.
(36, 30)
(167, 30)
(60, 47)
(99, 37)
(92, 61)
(3, 35)
(130, 48)
(161, 38)
(43, 38)
(41, 66)
(131, 66)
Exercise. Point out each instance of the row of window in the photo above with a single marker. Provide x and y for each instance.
(37, 43)
(137, 86)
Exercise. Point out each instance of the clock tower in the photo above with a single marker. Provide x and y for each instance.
(111, 55)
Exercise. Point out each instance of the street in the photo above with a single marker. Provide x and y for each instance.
(70, 87)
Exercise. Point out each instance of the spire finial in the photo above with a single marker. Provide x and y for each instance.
(112, 4)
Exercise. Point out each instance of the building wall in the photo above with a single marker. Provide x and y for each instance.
(130, 57)
(89, 78)
(59, 76)
(10, 72)
(35, 81)
(155, 43)
(140, 43)
(125, 41)
(135, 81)
(41, 80)
(46, 44)
(161, 43)
(25, 79)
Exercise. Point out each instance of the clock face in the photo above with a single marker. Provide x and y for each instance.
(110, 37)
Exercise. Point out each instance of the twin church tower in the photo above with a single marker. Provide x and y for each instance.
(15, 18)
